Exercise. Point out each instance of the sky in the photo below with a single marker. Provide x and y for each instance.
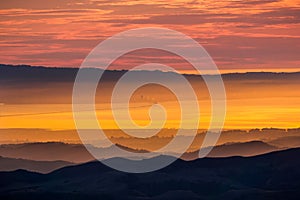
(252, 101)
(253, 35)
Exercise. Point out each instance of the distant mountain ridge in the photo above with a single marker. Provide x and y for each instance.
(244, 149)
(11, 164)
(53, 151)
(77, 153)
(55, 73)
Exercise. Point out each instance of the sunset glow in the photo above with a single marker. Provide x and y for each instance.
(239, 35)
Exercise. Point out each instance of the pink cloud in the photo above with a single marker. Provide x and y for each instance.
(254, 34)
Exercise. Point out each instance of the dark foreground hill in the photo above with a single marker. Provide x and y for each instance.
(271, 176)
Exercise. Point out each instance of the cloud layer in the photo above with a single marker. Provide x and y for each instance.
(239, 35)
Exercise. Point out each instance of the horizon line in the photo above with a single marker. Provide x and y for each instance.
(222, 72)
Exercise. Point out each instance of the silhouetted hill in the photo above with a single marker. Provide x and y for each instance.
(53, 151)
(35, 73)
(284, 142)
(251, 148)
(11, 164)
(49, 151)
(271, 176)
(77, 153)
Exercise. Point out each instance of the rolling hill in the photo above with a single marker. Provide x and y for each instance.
(270, 176)
(11, 164)
(245, 149)
(76, 153)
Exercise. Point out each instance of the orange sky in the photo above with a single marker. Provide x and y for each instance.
(253, 35)
(251, 103)
(240, 35)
